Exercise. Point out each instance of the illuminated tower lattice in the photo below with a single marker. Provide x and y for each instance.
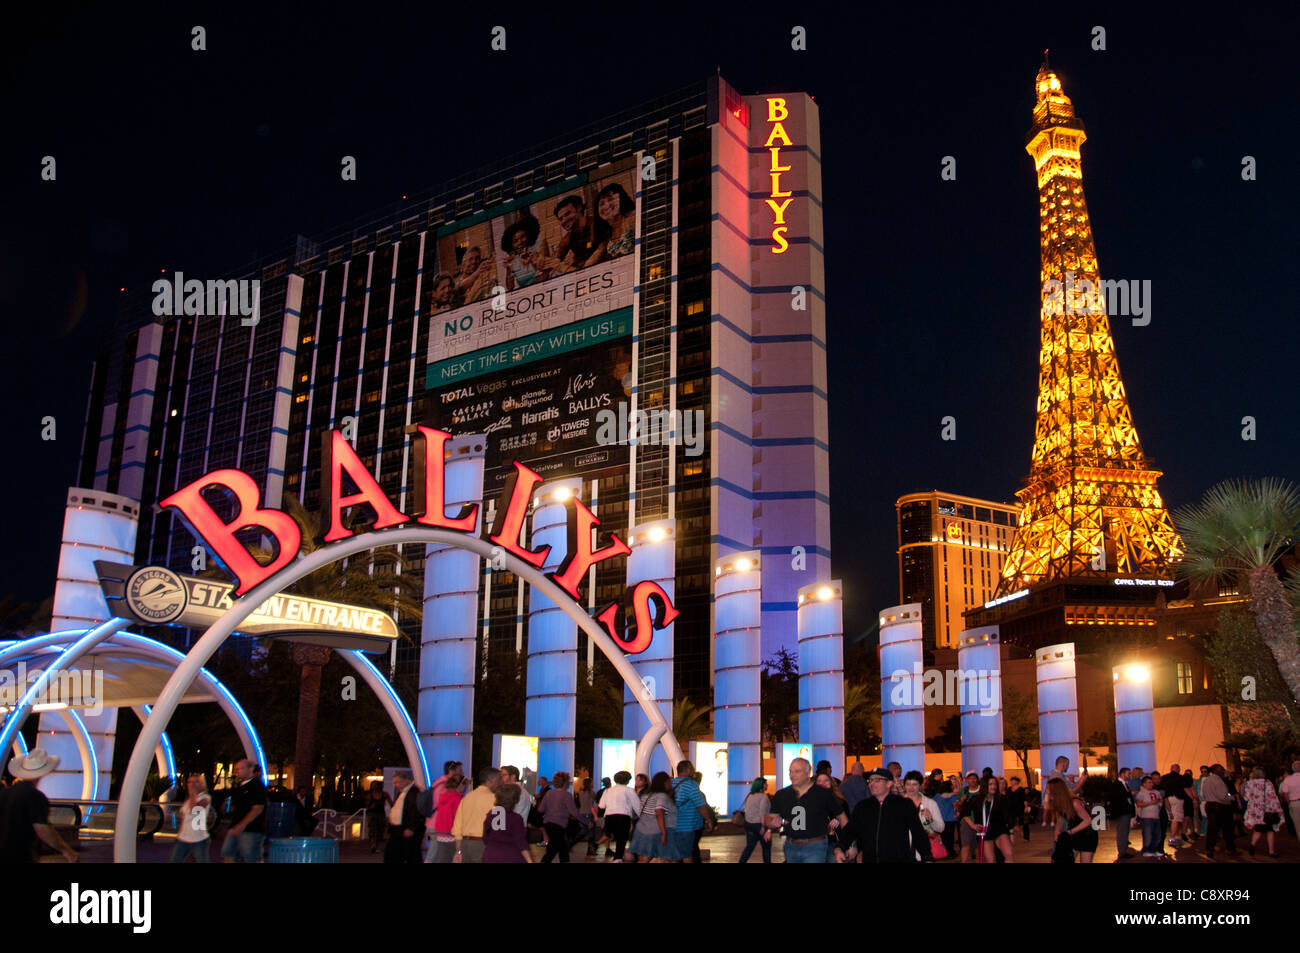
(1090, 503)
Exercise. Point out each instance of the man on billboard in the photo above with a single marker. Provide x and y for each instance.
(474, 281)
(579, 241)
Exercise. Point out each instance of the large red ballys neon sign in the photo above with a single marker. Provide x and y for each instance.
(650, 605)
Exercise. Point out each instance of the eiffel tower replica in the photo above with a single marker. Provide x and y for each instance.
(1094, 548)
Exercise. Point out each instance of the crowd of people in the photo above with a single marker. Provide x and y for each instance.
(879, 815)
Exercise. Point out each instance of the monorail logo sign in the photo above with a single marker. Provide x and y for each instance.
(649, 603)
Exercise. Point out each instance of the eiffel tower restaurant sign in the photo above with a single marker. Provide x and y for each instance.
(649, 603)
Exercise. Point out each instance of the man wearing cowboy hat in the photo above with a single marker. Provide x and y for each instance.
(25, 812)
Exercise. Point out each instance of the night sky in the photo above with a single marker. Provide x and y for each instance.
(202, 161)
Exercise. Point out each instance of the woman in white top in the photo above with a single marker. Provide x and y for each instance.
(192, 838)
(926, 807)
(757, 804)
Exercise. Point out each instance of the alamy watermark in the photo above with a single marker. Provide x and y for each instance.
(972, 688)
(654, 426)
(232, 297)
(66, 688)
(1107, 296)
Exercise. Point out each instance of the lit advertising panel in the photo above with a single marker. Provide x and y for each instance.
(544, 413)
(545, 261)
(519, 751)
(614, 755)
(787, 752)
(710, 759)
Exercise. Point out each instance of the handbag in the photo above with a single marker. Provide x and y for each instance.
(1063, 851)
(937, 850)
(1272, 818)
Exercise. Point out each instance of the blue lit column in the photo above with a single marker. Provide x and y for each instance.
(1058, 707)
(821, 672)
(97, 526)
(550, 702)
(445, 711)
(737, 642)
(902, 715)
(1135, 722)
(653, 557)
(979, 664)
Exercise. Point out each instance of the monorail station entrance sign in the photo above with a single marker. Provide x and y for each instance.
(154, 595)
(647, 601)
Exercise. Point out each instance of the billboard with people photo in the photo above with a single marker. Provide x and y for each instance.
(560, 255)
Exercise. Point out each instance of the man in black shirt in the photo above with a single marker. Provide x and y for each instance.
(1174, 784)
(804, 811)
(25, 812)
(1017, 807)
(248, 815)
(579, 241)
(1120, 812)
(885, 828)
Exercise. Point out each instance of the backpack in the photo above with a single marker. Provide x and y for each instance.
(426, 800)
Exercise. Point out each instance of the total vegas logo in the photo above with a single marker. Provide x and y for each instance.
(156, 594)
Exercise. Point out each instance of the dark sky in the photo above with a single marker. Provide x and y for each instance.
(169, 158)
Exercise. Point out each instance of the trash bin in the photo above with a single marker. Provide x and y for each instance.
(304, 850)
(279, 818)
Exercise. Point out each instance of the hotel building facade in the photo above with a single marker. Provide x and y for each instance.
(667, 261)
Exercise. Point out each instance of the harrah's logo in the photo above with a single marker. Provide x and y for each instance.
(428, 482)
(777, 113)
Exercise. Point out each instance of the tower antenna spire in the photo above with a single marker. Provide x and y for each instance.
(1047, 62)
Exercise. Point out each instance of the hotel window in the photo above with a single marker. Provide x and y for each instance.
(1184, 678)
(694, 307)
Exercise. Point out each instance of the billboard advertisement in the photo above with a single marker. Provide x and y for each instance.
(540, 263)
(614, 755)
(519, 751)
(787, 752)
(543, 413)
(710, 759)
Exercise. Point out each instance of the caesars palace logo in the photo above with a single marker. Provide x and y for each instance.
(156, 594)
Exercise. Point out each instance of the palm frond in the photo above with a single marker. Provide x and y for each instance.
(1238, 526)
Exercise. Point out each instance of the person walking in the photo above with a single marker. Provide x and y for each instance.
(621, 807)
(693, 815)
(970, 852)
(926, 809)
(652, 839)
(1148, 803)
(558, 810)
(376, 805)
(854, 787)
(1119, 811)
(1263, 810)
(587, 815)
(405, 822)
(885, 828)
(248, 813)
(447, 794)
(192, 837)
(1288, 793)
(1219, 807)
(467, 828)
(803, 812)
(25, 815)
(946, 799)
(1071, 821)
(505, 836)
(757, 806)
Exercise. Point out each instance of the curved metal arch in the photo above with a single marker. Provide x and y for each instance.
(135, 645)
(165, 755)
(86, 748)
(133, 783)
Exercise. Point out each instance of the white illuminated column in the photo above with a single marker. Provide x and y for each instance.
(550, 705)
(1135, 722)
(979, 663)
(737, 647)
(448, 631)
(653, 557)
(902, 712)
(1058, 707)
(821, 672)
(97, 527)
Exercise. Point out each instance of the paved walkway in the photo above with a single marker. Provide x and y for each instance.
(726, 848)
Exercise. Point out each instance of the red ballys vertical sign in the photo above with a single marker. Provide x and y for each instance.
(649, 604)
(777, 113)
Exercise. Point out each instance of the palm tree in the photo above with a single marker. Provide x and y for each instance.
(1234, 535)
(372, 580)
(690, 721)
